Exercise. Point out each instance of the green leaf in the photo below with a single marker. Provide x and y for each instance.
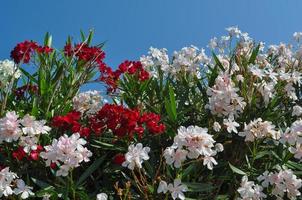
(217, 61)
(40, 183)
(172, 101)
(170, 104)
(47, 40)
(95, 165)
(236, 170)
(254, 54)
(90, 36)
(29, 76)
(199, 187)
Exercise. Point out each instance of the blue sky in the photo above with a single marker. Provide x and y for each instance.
(130, 27)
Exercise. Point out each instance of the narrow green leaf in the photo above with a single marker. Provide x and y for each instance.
(29, 76)
(217, 61)
(236, 170)
(95, 165)
(254, 54)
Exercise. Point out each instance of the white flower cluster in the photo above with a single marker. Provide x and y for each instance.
(88, 102)
(67, 153)
(223, 98)
(188, 59)
(176, 189)
(258, 129)
(26, 130)
(10, 184)
(222, 44)
(293, 137)
(135, 156)
(191, 143)
(8, 70)
(248, 190)
(282, 182)
(101, 196)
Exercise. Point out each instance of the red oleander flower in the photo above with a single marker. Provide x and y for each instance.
(35, 154)
(19, 154)
(152, 122)
(84, 132)
(45, 49)
(29, 88)
(119, 159)
(23, 51)
(111, 78)
(68, 121)
(125, 122)
(85, 53)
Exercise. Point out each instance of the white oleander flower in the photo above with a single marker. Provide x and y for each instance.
(31, 126)
(176, 189)
(135, 156)
(6, 179)
(209, 162)
(192, 142)
(175, 156)
(223, 98)
(88, 102)
(23, 189)
(8, 70)
(216, 127)
(282, 182)
(258, 129)
(297, 36)
(297, 111)
(9, 127)
(102, 196)
(231, 124)
(66, 152)
(196, 140)
(248, 190)
(234, 31)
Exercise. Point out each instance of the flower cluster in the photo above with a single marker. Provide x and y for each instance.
(111, 77)
(125, 122)
(87, 103)
(192, 142)
(21, 92)
(248, 190)
(135, 156)
(176, 189)
(284, 181)
(10, 184)
(71, 121)
(258, 129)
(223, 98)
(67, 153)
(85, 53)
(188, 59)
(26, 131)
(8, 70)
(23, 51)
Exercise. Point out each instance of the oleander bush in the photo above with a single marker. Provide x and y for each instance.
(222, 123)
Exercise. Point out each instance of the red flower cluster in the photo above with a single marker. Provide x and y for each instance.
(118, 159)
(70, 121)
(125, 122)
(152, 122)
(111, 77)
(19, 154)
(20, 91)
(83, 52)
(23, 51)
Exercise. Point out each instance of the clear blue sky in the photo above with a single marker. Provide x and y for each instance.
(132, 26)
